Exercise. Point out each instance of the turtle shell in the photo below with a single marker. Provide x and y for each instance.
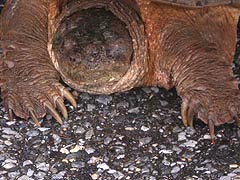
(200, 3)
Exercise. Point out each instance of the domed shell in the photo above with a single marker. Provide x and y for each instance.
(200, 3)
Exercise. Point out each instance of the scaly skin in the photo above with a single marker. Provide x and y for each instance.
(194, 48)
(30, 84)
(191, 49)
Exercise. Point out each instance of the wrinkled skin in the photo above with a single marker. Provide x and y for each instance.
(187, 48)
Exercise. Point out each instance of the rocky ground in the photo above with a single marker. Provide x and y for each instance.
(136, 135)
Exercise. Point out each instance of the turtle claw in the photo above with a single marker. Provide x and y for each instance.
(184, 113)
(238, 122)
(49, 107)
(62, 108)
(212, 130)
(34, 118)
(10, 114)
(65, 93)
(187, 114)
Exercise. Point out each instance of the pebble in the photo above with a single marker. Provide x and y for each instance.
(104, 99)
(8, 143)
(57, 139)
(94, 176)
(89, 134)
(103, 166)
(123, 104)
(176, 169)
(30, 172)
(64, 151)
(40, 175)
(32, 133)
(182, 136)
(78, 164)
(76, 149)
(80, 130)
(9, 165)
(163, 103)
(89, 150)
(107, 140)
(233, 166)
(59, 175)
(90, 107)
(135, 110)
(145, 140)
(225, 178)
(190, 143)
(165, 151)
(8, 131)
(27, 162)
(24, 177)
(145, 128)
(42, 166)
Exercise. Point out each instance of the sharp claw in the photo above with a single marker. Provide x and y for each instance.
(68, 96)
(53, 112)
(10, 114)
(62, 108)
(238, 122)
(34, 117)
(190, 118)
(211, 130)
(184, 113)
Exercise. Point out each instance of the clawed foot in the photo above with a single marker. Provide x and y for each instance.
(213, 110)
(35, 102)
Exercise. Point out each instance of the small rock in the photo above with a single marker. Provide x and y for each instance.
(78, 165)
(43, 166)
(76, 149)
(27, 162)
(163, 103)
(9, 131)
(182, 136)
(94, 176)
(145, 128)
(89, 134)
(124, 104)
(59, 175)
(134, 110)
(89, 150)
(176, 169)
(103, 166)
(24, 177)
(225, 178)
(9, 165)
(90, 107)
(64, 151)
(166, 151)
(80, 130)
(190, 143)
(32, 133)
(145, 140)
(233, 166)
(104, 99)
(107, 140)
(30, 172)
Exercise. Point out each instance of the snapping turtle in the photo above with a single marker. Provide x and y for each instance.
(107, 46)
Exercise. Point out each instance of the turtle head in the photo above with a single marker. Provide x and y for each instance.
(97, 46)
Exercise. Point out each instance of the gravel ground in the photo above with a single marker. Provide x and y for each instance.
(136, 135)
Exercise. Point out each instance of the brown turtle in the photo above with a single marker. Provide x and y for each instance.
(107, 46)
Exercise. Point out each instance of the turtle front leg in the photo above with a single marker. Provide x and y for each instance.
(29, 83)
(194, 53)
